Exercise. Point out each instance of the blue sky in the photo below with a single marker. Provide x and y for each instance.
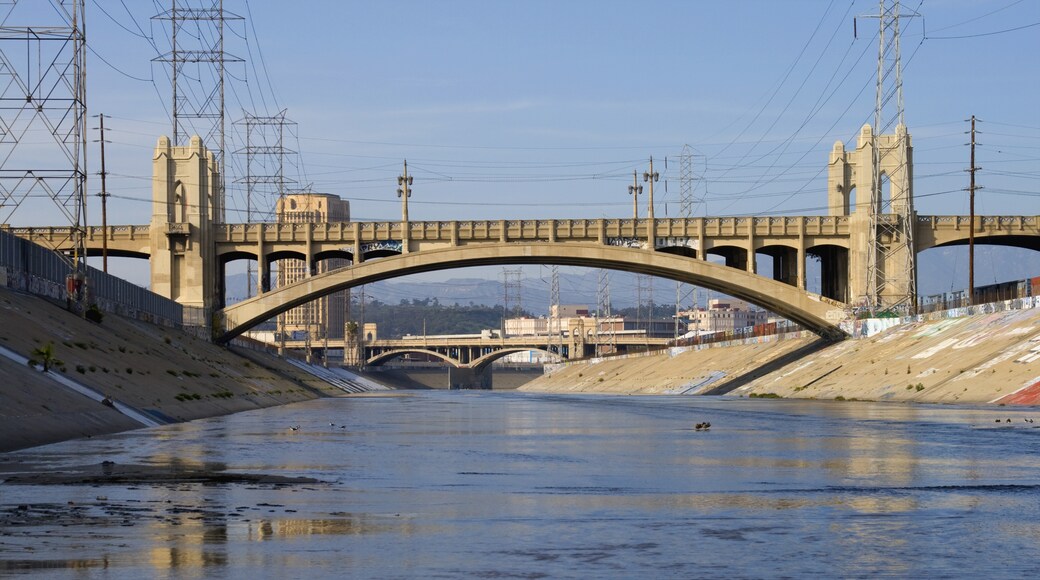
(543, 109)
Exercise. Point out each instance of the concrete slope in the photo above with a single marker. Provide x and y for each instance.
(984, 358)
(164, 373)
(973, 359)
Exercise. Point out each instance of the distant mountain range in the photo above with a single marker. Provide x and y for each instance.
(939, 270)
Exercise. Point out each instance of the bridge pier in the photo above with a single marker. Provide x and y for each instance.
(469, 378)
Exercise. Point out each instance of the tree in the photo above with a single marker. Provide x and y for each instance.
(45, 357)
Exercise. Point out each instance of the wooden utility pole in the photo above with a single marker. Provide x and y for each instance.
(104, 197)
(971, 213)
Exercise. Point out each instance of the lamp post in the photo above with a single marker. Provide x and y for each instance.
(404, 191)
(634, 190)
(651, 177)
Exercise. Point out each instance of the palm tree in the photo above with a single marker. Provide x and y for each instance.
(45, 357)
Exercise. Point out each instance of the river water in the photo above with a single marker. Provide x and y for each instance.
(513, 485)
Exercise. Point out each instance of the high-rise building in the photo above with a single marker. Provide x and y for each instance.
(327, 314)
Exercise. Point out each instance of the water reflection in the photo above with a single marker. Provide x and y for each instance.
(506, 485)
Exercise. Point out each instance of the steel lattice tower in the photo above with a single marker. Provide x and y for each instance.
(511, 289)
(43, 89)
(265, 159)
(890, 253)
(197, 64)
(555, 334)
(603, 308)
(687, 207)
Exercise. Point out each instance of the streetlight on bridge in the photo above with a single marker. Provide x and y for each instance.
(404, 191)
(651, 177)
(634, 190)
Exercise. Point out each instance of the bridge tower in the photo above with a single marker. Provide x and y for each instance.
(186, 202)
(850, 178)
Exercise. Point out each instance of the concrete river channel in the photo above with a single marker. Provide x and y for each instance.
(432, 484)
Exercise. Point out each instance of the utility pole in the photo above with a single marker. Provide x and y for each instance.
(971, 213)
(104, 197)
(404, 191)
(635, 190)
(651, 177)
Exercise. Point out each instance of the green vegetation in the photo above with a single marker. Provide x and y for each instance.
(764, 396)
(839, 398)
(188, 397)
(409, 317)
(94, 314)
(45, 357)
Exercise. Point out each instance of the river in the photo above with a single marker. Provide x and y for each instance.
(437, 484)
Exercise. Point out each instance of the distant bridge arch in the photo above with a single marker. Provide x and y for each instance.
(483, 362)
(477, 364)
(812, 311)
(399, 352)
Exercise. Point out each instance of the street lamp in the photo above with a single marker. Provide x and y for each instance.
(404, 191)
(651, 177)
(635, 190)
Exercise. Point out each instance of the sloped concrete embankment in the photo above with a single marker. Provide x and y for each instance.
(989, 357)
(687, 370)
(164, 373)
(985, 355)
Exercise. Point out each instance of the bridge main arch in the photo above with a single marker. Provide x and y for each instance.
(811, 311)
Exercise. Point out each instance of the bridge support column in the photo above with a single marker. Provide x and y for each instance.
(751, 262)
(801, 253)
(359, 256)
(468, 378)
(308, 245)
(785, 266)
(701, 254)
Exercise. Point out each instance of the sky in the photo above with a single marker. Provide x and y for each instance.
(544, 109)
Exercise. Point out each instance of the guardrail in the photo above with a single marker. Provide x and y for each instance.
(31, 268)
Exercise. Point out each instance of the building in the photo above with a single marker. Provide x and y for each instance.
(724, 315)
(325, 316)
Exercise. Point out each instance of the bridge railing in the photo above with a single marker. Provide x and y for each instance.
(32, 268)
(998, 292)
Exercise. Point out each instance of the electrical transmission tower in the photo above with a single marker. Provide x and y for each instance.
(197, 64)
(511, 289)
(891, 263)
(687, 201)
(603, 309)
(555, 335)
(43, 91)
(687, 207)
(265, 162)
